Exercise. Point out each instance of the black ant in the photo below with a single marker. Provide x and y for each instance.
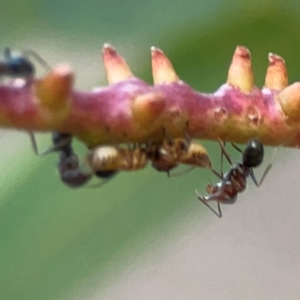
(68, 165)
(71, 173)
(234, 181)
(20, 66)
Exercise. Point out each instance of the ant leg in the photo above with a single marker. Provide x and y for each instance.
(98, 184)
(187, 137)
(181, 172)
(57, 146)
(204, 201)
(219, 209)
(7, 53)
(224, 152)
(258, 184)
(220, 176)
(33, 142)
(167, 137)
(221, 160)
(236, 147)
(38, 58)
(265, 172)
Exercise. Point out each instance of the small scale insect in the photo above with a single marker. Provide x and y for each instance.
(68, 165)
(234, 181)
(168, 154)
(20, 66)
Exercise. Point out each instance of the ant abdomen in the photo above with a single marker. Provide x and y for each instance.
(253, 154)
(70, 172)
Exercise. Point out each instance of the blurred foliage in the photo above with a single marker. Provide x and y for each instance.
(54, 241)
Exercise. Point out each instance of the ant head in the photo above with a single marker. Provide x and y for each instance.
(253, 154)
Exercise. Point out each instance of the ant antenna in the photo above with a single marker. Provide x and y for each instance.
(187, 137)
(98, 184)
(222, 159)
(224, 152)
(37, 57)
(181, 172)
(56, 147)
(236, 147)
(7, 53)
(201, 198)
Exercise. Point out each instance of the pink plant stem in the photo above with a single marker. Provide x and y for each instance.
(130, 110)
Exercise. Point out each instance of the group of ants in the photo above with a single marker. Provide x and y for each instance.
(104, 162)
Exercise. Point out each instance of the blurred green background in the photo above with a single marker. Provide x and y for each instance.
(56, 243)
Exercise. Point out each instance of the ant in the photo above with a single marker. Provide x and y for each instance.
(68, 165)
(234, 181)
(20, 66)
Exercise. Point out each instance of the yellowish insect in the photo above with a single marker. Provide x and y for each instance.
(111, 158)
